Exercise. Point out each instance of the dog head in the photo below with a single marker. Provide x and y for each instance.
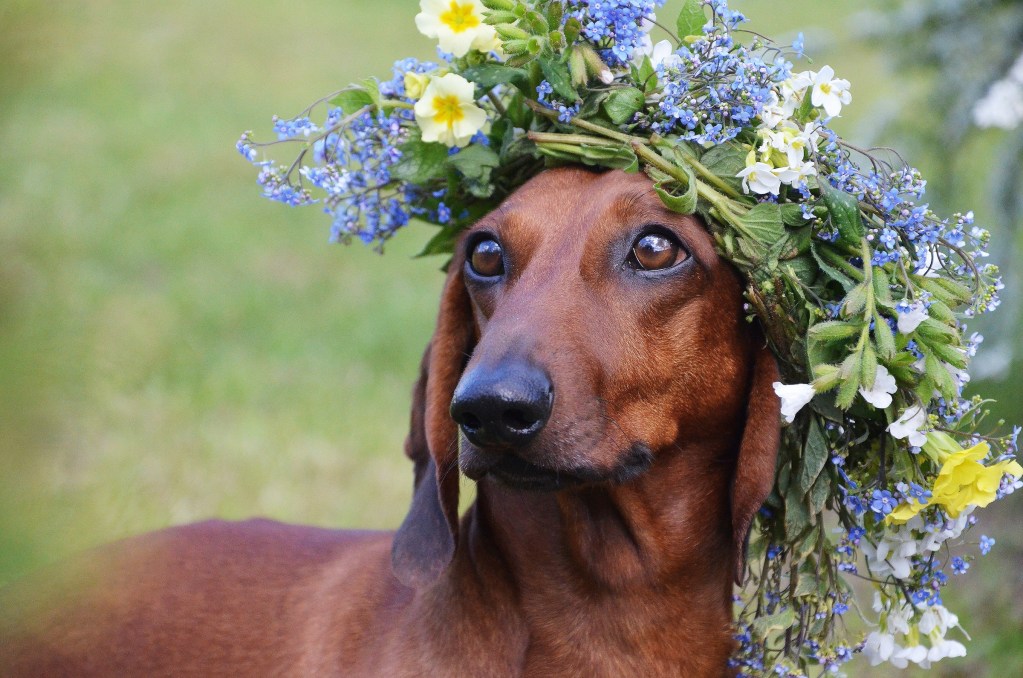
(584, 329)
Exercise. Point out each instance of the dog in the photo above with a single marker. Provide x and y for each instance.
(592, 370)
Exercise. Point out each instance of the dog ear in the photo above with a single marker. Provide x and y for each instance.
(758, 453)
(425, 543)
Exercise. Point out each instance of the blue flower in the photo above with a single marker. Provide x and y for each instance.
(882, 503)
(959, 566)
(798, 46)
(985, 544)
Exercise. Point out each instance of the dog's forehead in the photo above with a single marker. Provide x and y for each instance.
(592, 205)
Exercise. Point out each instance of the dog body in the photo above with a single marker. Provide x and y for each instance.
(592, 371)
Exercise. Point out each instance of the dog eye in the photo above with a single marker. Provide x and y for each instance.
(656, 252)
(487, 259)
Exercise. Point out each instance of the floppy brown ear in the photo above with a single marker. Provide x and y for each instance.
(425, 543)
(758, 453)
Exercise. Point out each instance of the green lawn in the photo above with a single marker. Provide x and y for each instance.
(174, 347)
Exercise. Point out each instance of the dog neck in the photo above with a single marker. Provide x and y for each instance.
(641, 570)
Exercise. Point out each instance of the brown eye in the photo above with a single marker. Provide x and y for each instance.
(655, 252)
(486, 259)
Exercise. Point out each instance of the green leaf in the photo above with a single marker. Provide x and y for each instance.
(868, 367)
(953, 356)
(684, 204)
(622, 104)
(560, 79)
(352, 100)
(934, 331)
(475, 161)
(443, 242)
(805, 111)
(884, 338)
(831, 271)
(942, 379)
(851, 381)
(646, 75)
(834, 330)
(764, 224)
(820, 493)
(845, 213)
(949, 291)
(941, 312)
(691, 19)
(797, 515)
(856, 301)
(882, 287)
(815, 456)
(792, 215)
(488, 76)
(727, 160)
(420, 162)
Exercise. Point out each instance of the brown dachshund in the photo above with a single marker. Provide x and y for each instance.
(593, 372)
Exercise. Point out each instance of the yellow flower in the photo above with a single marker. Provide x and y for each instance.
(415, 84)
(457, 25)
(962, 481)
(448, 112)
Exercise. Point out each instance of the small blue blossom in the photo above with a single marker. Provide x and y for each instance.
(959, 566)
(882, 502)
(986, 543)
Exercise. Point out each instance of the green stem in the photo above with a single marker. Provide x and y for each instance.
(713, 179)
(576, 139)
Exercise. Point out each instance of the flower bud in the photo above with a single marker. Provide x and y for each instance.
(537, 23)
(494, 18)
(572, 30)
(509, 32)
(516, 47)
(557, 40)
(415, 84)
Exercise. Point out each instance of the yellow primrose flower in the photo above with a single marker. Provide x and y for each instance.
(415, 84)
(448, 112)
(963, 481)
(457, 25)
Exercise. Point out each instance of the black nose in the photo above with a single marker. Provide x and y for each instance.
(504, 405)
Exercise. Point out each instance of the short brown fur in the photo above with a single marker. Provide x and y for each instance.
(627, 574)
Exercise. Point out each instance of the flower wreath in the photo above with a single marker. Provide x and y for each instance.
(861, 289)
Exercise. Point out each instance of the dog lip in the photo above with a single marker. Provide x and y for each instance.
(516, 472)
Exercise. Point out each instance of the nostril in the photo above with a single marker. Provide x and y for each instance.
(470, 421)
(518, 420)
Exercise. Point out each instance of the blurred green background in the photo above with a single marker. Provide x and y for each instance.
(174, 347)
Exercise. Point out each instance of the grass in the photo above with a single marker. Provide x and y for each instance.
(172, 347)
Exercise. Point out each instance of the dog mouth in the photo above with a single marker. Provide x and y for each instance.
(516, 472)
(513, 471)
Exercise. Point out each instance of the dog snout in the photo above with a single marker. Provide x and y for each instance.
(505, 405)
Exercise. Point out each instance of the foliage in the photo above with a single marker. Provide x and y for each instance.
(861, 289)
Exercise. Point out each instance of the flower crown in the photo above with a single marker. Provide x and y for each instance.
(860, 288)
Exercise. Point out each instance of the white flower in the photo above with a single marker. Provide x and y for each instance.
(880, 395)
(892, 555)
(937, 618)
(829, 92)
(794, 397)
(457, 25)
(903, 655)
(911, 315)
(1002, 106)
(448, 112)
(945, 648)
(788, 142)
(909, 425)
(760, 177)
(879, 647)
